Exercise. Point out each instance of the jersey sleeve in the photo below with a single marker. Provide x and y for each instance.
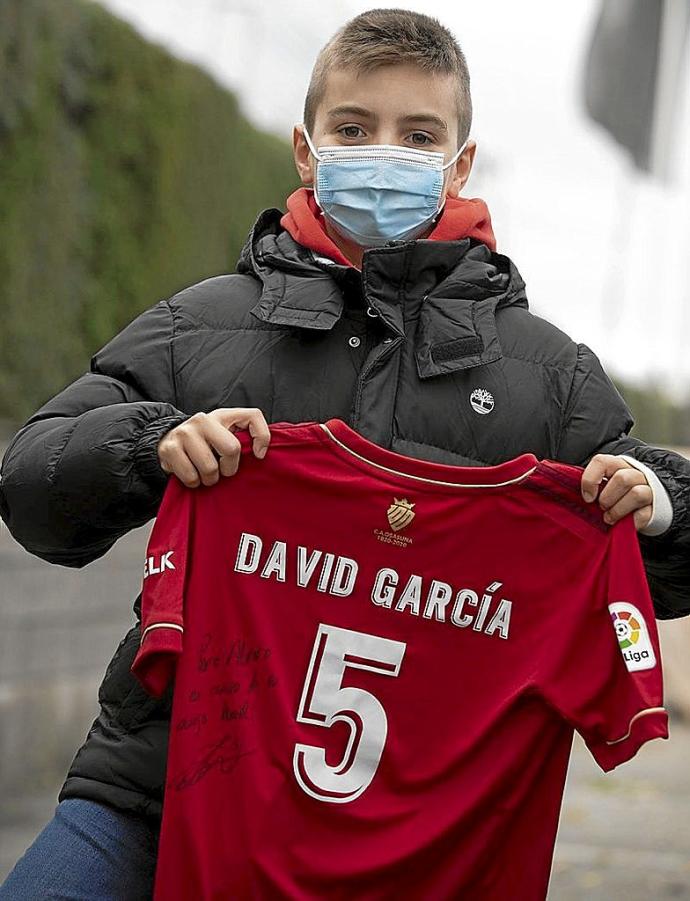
(163, 591)
(603, 672)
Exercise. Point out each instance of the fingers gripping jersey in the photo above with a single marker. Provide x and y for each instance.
(379, 662)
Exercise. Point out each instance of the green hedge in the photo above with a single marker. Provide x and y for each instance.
(658, 418)
(125, 175)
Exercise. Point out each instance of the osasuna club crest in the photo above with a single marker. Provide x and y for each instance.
(400, 514)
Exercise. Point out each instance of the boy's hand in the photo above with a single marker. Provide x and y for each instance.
(188, 449)
(626, 489)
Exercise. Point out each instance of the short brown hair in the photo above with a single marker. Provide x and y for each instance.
(380, 37)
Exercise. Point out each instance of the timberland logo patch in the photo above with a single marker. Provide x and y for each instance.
(482, 401)
(633, 637)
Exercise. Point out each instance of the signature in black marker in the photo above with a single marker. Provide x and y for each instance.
(224, 756)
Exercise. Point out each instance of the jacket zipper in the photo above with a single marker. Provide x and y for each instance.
(387, 350)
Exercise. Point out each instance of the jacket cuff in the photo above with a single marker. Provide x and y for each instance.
(146, 447)
(662, 509)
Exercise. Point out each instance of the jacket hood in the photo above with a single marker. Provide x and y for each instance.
(451, 287)
(461, 218)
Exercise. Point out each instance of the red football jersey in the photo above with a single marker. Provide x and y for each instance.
(379, 662)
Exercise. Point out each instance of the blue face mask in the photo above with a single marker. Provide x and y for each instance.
(374, 193)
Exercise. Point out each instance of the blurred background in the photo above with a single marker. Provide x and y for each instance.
(139, 139)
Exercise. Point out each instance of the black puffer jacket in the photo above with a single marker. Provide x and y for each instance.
(412, 353)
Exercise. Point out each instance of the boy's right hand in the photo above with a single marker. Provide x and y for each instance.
(187, 450)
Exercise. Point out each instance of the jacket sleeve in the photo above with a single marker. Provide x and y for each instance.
(84, 469)
(596, 420)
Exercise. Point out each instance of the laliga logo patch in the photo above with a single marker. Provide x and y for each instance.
(633, 637)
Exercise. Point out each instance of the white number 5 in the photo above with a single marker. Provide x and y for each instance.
(324, 702)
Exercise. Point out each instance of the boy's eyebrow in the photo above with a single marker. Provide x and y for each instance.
(349, 109)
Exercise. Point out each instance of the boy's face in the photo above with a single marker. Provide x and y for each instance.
(394, 104)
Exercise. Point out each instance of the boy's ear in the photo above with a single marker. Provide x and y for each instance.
(462, 169)
(304, 161)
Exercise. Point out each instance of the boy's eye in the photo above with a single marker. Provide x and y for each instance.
(353, 131)
(347, 128)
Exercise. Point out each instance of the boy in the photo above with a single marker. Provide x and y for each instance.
(378, 298)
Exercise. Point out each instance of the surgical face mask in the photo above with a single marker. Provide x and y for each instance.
(374, 193)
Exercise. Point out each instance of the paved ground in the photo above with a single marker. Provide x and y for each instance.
(624, 836)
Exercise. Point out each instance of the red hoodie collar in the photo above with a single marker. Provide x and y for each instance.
(461, 218)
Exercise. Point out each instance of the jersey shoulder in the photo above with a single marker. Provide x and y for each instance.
(557, 485)
(285, 434)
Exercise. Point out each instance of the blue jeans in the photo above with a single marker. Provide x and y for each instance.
(87, 852)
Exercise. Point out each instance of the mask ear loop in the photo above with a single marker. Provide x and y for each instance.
(443, 169)
(310, 145)
(316, 157)
(456, 155)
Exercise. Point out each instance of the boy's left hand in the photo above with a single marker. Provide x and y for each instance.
(626, 489)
